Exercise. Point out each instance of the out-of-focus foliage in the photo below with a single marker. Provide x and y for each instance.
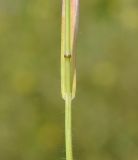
(105, 113)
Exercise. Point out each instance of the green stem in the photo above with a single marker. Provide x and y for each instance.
(68, 131)
(68, 86)
(68, 99)
(67, 27)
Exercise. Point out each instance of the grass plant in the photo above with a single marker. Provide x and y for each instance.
(68, 65)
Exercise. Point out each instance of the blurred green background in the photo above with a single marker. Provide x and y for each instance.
(105, 111)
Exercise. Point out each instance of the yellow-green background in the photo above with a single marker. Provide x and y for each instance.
(105, 111)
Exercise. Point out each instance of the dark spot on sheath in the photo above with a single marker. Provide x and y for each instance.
(67, 56)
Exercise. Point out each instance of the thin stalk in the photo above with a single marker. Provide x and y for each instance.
(68, 95)
(67, 28)
(68, 100)
(68, 128)
(68, 67)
